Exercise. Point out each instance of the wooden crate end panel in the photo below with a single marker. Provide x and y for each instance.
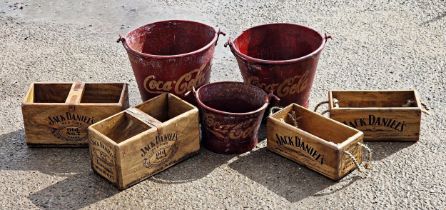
(103, 157)
(43, 124)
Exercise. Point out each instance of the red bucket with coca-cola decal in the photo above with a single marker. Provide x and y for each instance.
(231, 114)
(281, 58)
(171, 56)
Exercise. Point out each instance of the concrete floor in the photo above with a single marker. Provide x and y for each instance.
(380, 45)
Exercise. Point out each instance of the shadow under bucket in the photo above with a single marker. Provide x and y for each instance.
(171, 56)
(231, 115)
(279, 58)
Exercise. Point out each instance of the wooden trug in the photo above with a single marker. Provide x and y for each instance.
(381, 115)
(58, 114)
(318, 143)
(139, 142)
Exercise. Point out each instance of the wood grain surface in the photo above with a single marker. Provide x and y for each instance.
(317, 142)
(58, 114)
(381, 115)
(148, 138)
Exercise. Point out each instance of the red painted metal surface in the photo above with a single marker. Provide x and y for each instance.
(171, 56)
(281, 58)
(231, 114)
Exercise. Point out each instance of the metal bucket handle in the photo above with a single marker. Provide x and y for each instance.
(191, 96)
(219, 32)
(271, 97)
(327, 37)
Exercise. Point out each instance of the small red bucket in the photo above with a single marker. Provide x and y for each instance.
(231, 115)
(171, 56)
(281, 58)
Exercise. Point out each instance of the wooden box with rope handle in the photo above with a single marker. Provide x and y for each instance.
(393, 115)
(319, 143)
(58, 114)
(141, 141)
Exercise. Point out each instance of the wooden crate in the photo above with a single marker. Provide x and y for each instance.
(139, 142)
(317, 142)
(381, 115)
(58, 114)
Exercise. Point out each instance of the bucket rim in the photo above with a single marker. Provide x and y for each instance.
(237, 52)
(207, 46)
(201, 104)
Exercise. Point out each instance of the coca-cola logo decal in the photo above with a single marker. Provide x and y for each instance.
(184, 83)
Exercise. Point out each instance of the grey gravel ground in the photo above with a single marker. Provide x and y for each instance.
(377, 45)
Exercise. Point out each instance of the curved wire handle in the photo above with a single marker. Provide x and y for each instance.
(218, 35)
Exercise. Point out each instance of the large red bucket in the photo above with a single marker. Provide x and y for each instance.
(171, 56)
(279, 58)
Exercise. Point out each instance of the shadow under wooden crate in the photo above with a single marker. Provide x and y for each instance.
(280, 175)
(193, 168)
(382, 150)
(74, 192)
(81, 186)
(53, 161)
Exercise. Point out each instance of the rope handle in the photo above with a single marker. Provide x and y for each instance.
(358, 166)
(274, 109)
(291, 115)
(294, 118)
(320, 104)
(425, 108)
(335, 102)
(367, 164)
